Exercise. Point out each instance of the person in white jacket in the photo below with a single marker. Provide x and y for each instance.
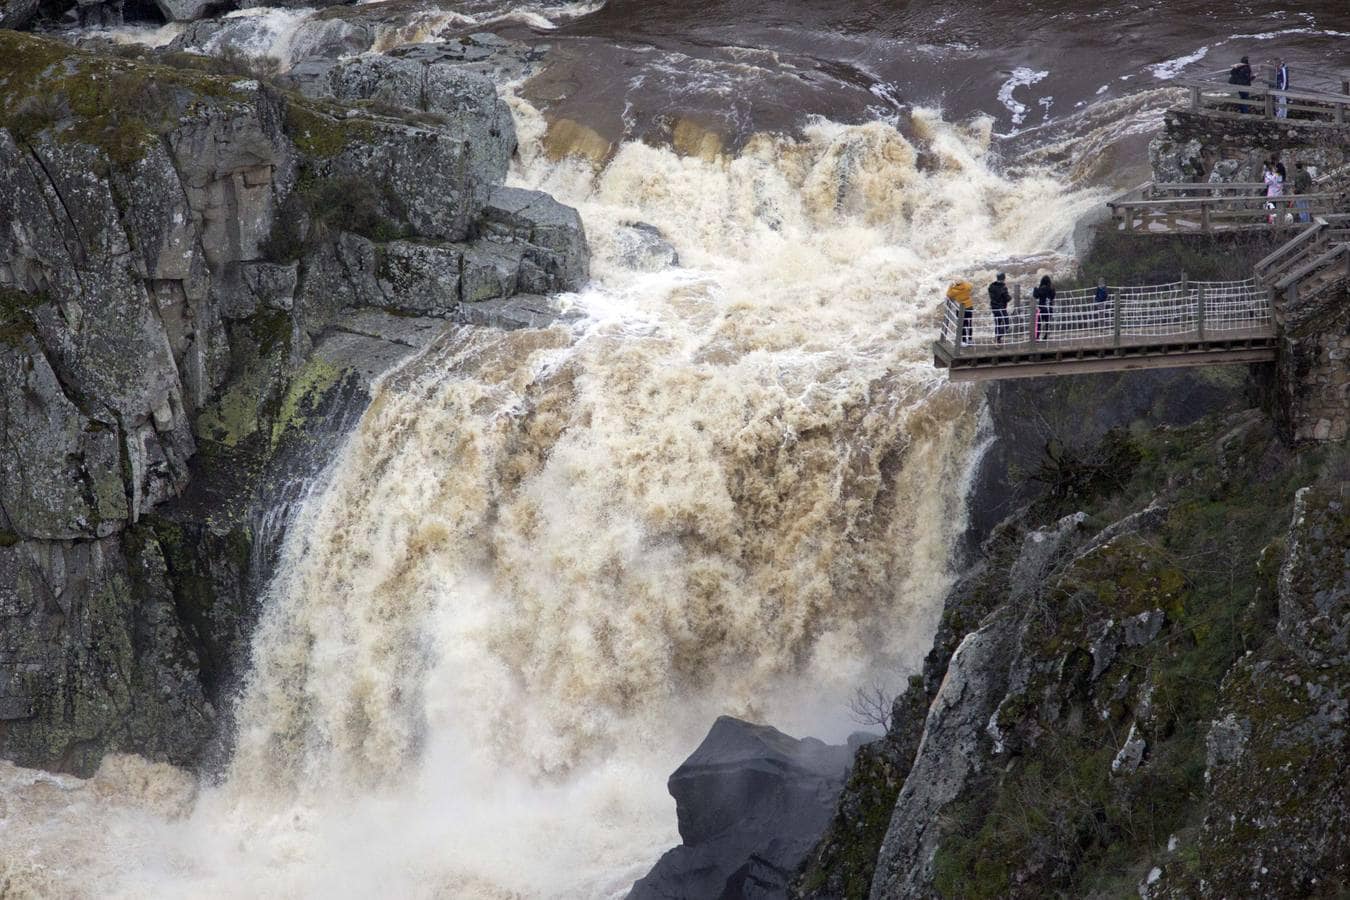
(1274, 189)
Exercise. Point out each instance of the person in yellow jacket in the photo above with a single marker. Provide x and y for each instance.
(960, 294)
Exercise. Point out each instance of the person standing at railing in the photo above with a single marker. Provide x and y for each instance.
(1281, 84)
(1045, 307)
(999, 298)
(1242, 75)
(1303, 184)
(960, 295)
(1100, 297)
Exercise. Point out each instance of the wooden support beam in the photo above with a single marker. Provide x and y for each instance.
(1227, 357)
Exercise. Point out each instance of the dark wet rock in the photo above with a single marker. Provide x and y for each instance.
(536, 220)
(499, 59)
(643, 247)
(521, 311)
(751, 803)
(66, 483)
(92, 656)
(17, 14)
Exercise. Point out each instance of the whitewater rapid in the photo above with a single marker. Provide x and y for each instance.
(546, 560)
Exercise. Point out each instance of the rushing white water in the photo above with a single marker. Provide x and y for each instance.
(547, 559)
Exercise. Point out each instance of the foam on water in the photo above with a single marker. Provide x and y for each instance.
(546, 560)
(1020, 77)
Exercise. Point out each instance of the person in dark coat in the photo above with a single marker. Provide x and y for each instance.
(1045, 307)
(1303, 184)
(1281, 84)
(1100, 299)
(1242, 75)
(998, 302)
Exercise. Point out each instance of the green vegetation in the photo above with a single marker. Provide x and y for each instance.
(1057, 819)
(304, 395)
(251, 399)
(1153, 259)
(321, 135)
(320, 206)
(124, 101)
(16, 314)
(115, 104)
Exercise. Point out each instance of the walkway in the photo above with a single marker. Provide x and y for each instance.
(1317, 99)
(1139, 327)
(1186, 323)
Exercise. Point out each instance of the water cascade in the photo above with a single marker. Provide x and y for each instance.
(546, 560)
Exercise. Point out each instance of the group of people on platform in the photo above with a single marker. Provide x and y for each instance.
(961, 295)
(1276, 178)
(1241, 75)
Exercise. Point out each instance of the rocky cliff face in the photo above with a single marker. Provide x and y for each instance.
(200, 275)
(1139, 687)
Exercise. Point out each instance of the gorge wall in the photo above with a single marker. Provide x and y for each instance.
(200, 276)
(1137, 670)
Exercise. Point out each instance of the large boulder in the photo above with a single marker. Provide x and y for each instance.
(536, 219)
(451, 98)
(751, 803)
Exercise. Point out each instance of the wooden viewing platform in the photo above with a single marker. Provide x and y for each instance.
(1149, 326)
(1220, 207)
(1315, 98)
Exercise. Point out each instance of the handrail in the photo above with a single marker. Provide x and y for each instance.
(1318, 226)
(1298, 75)
(1236, 200)
(1134, 315)
(1261, 101)
(1322, 262)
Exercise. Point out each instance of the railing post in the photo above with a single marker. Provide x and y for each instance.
(1116, 314)
(1270, 105)
(1204, 216)
(1200, 312)
(1195, 98)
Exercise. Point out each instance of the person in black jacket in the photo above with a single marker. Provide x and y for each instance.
(998, 302)
(1045, 307)
(1242, 75)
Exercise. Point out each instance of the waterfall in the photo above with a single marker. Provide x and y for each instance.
(546, 559)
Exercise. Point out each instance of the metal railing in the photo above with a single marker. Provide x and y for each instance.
(1131, 316)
